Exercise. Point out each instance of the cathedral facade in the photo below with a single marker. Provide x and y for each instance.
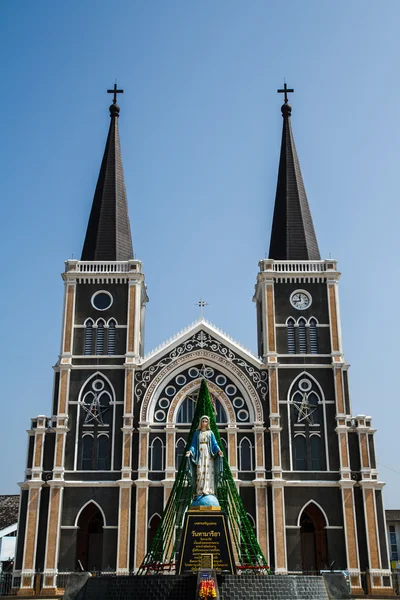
(101, 467)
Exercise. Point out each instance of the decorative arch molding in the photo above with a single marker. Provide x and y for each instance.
(210, 359)
(318, 506)
(301, 376)
(96, 374)
(193, 385)
(83, 508)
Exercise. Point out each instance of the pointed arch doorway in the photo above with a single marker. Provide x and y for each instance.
(89, 549)
(314, 550)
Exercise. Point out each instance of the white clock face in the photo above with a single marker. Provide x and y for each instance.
(300, 299)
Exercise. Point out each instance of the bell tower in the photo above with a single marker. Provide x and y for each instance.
(315, 442)
(89, 436)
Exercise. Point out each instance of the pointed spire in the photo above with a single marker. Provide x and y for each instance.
(292, 236)
(108, 234)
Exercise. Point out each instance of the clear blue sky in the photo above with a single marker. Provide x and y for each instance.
(200, 131)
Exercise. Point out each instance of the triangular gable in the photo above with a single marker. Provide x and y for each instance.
(194, 333)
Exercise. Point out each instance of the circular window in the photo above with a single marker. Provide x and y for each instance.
(230, 390)
(238, 402)
(305, 385)
(170, 390)
(220, 380)
(180, 380)
(98, 385)
(243, 415)
(159, 415)
(193, 372)
(164, 403)
(102, 300)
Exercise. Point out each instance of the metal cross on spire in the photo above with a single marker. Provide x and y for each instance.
(201, 304)
(285, 91)
(115, 91)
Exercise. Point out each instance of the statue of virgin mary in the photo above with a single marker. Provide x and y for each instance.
(204, 460)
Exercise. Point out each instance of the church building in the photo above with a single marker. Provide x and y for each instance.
(101, 464)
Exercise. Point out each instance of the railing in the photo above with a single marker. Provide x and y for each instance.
(81, 266)
(298, 266)
(306, 267)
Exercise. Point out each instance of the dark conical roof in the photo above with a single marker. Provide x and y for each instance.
(292, 236)
(108, 234)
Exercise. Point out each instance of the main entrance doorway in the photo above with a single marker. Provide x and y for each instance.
(314, 554)
(89, 550)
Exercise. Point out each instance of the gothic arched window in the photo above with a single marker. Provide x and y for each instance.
(111, 337)
(220, 417)
(87, 452)
(300, 452)
(156, 455)
(245, 455)
(186, 410)
(179, 452)
(103, 452)
(316, 452)
(88, 348)
(307, 418)
(302, 336)
(291, 336)
(313, 337)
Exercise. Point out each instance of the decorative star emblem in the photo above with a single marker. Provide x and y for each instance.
(304, 409)
(205, 372)
(94, 410)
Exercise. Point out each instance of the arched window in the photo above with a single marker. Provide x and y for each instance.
(188, 407)
(157, 455)
(179, 452)
(87, 452)
(186, 411)
(111, 337)
(302, 336)
(316, 453)
(221, 415)
(300, 452)
(103, 452)
(88, 349)
(100, 338)
(153, 525)
(291, 339)
(245, 455)
(313, 337)
(89, 546)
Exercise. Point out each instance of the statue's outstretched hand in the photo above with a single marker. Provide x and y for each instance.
(220, 452)
(188, 453)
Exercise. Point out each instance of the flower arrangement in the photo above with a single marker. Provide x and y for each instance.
(207, 589)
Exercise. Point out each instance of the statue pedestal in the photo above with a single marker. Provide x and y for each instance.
(205, 531)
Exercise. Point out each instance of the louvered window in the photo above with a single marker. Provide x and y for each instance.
(100, 338)
(291, 339)
(111, 338)
(313, 337)
(302, 337)
(88, 349)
